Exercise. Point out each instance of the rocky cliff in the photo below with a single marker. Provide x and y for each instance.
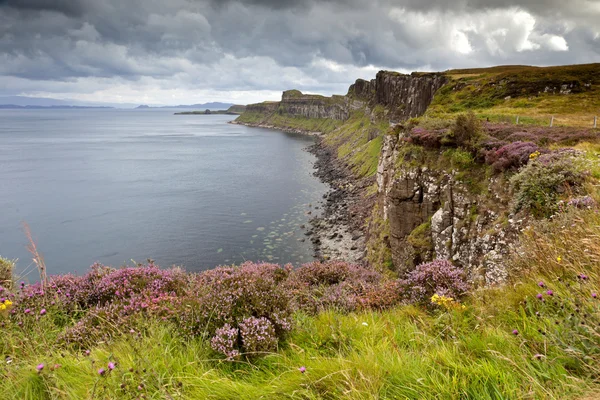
(436, 211)
(403, 96)
(424, 202)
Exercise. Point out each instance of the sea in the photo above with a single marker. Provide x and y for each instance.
(119, 187)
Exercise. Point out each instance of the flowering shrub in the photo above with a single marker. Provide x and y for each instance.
(317, 286)
(258, 335)
(439, 277)
(539, 185)
(511, 156)
(427, 138)
(584, 202)
(225, 341)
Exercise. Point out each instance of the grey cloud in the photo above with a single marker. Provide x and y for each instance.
(266, 44)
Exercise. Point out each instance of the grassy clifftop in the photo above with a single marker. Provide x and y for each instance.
(569, 93)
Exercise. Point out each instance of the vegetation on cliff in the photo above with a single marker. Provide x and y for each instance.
(569, 93)
(345, 332)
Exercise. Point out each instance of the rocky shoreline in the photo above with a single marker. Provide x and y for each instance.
(277, 128)
(338, 232)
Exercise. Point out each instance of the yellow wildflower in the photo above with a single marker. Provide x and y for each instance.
(446, 301)
(534, 155)
(559, 258)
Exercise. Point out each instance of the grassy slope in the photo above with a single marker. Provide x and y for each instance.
(486, 91)
(401, 353)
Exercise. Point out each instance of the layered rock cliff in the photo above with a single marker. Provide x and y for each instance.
(401, 96)
(436, 211)
(404, 96)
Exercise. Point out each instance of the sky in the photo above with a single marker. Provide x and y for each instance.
(243, 51)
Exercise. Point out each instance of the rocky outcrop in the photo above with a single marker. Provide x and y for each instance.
(404, 96)
(468, 228)
(294, 102)
(266, 108)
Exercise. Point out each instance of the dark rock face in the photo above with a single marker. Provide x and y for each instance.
(312, 106)
(407, 96)
(465, 227)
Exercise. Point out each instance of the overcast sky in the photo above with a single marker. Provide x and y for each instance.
(188, 51)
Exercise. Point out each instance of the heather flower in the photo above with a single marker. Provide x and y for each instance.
(27, 311)
(515, 332)
(550, 293)
(87, 352)
(101, 371)
(225, 341)
(541, 284)
(40, 367)
(539, 296)
(512, 155)
(594, 295)
(302, 369)
(111, 366)
(439, 277)
(258, 335)
(43, 311)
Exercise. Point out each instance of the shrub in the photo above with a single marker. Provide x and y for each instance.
(539, 185)
(466, 131)
(511, 156)
(318, 286)
(225, 341)
(427, 138)
(439, 277)
(7, 268)
(258, 335)
(229, 296)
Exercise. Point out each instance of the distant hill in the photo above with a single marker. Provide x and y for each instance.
(233, 110)
(213, 105)
(17, 107)
(15, 102)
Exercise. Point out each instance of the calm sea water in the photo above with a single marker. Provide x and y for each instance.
(120, 185)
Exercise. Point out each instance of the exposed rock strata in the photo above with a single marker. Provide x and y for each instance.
(464, 227)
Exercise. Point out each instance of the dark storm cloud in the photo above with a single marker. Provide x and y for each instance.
(67, 7)
(274, 44)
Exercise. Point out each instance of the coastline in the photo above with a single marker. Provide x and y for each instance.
(337, 233)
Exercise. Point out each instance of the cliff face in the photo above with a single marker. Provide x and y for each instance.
(296, 103)
(404, 96)
(433, 213)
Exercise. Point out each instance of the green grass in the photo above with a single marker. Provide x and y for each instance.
(502, 93)
(358, 142)
(402, 353)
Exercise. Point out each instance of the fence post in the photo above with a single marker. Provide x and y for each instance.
(517, 120)
(552, 121)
